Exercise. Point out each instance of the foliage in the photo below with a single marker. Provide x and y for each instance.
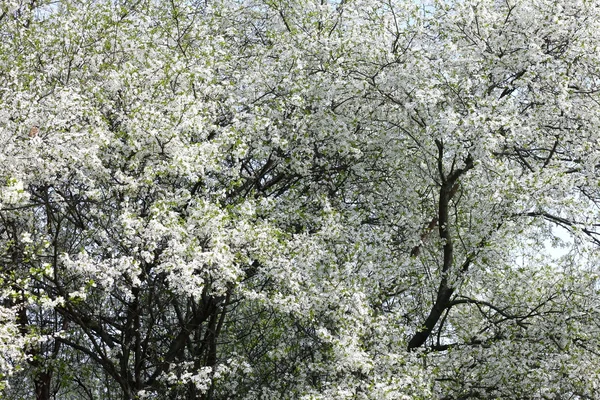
(265, 199)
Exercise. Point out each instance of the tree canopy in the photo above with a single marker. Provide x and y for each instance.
(299, 199)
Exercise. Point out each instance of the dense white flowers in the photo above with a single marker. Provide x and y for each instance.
(299, 199)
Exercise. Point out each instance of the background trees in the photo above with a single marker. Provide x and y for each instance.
(299, 200)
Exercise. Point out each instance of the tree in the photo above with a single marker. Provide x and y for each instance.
(303, 200)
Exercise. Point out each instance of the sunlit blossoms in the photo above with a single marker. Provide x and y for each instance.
(299, 199)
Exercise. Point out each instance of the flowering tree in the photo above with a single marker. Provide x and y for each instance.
(307, 200)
